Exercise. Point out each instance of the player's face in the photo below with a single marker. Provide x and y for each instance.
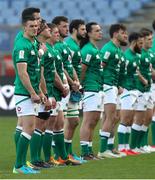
(55, 36)
(81, 32)
(96, 33)
(46, 32)
(122, 37)
(148, 41)
(31, 28)
(139, 45)
(37, 18)
(63, 29)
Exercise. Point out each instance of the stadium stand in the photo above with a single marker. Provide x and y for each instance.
(104, 12)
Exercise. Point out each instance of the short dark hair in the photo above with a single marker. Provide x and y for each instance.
(88, 29)
(145, 32)
(115, 28)
(51, 25)
(134, 36)
(58, 19)
(153, 25)
(42, 26)
(27, 18)
(29, 11)
(75, 23)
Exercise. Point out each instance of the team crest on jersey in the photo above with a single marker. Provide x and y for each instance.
(72, 53)
(79, 54)
(122, 58)
(65, 52)
(21, 54)
(32, 52)
(58, 57)
(146, 60)
(106, 55)
(151, 55)
(97, 56)
(70, 58)
(88, 57)
(116, 56)
(49, 55)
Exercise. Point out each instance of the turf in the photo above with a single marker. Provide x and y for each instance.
(135, 167)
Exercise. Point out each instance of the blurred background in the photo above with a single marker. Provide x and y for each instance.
(133, 13)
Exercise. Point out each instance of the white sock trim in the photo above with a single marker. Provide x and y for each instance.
(111, 140)
(90, 144)
(36, 132)
(103, 133)
(128, 129)
(49, 131)
(68, 141)
(19, 128)
(144, 128)
(82, 143)
(136, 127)
(122, 129)
(26, 135)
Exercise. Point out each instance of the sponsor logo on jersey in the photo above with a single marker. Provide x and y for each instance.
(106, 55)
(32, 52)
(88, 57)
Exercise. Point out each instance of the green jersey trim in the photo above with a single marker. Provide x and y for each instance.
(108, 89)
(22, 100)
(125, 96)
(89, 96)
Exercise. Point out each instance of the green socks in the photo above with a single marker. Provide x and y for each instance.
(22, 147)
(47, 144)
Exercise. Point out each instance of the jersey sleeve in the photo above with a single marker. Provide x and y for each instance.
(22, 54)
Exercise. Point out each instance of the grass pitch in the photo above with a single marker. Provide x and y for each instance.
(131, 167)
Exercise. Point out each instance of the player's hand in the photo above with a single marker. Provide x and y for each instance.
(43, 98)
(145, 82)
(35, 98)
(54, 103)
(75, 86)
(65, 91)
(48, 105)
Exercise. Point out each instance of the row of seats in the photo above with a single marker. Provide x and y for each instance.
(102, 11)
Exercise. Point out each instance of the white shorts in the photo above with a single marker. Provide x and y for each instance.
(25, 106)
(110, 94)
(129, 99)
(65, 102)
(153, 93)
(93, 101)
(144, 101)
(54, 112)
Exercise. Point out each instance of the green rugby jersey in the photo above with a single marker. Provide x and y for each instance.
(145, 69)
(92, 58)
(112, 57)
(18, 36)
(64, 51)
(26, 51)
(131, 66)
(60, 71)
(76, 55)
(48, 61)
(152, 54)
